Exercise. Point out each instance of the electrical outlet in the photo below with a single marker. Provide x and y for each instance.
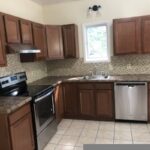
(129, 66)
(110, 67)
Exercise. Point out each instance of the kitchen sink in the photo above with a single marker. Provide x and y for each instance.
(96, 77)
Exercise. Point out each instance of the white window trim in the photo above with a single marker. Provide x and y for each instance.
(84, 26)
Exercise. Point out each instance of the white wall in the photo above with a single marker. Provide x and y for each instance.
(26, 9)
(76, 12)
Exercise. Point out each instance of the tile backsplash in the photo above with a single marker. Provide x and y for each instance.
(34, 70)
(119, 65)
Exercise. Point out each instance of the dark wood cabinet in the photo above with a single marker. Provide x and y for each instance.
(26, 32)
(70, 97)
(54, 42)
(70, 41)
(87, 103)
(127, 35)
(39, 37)
(2, 43)
(145, 32)
(12, 29)
(59, 103)
(16, 130)
(104, 104)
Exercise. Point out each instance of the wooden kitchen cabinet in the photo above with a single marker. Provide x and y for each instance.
(54, 42)
(70, 97)
(58, 95)
(12, 29)
(26, 32)
(87, 103)
(127, 35)
(145, 32)
(2, 43)
(70, 41)
(104, 104)
(39, 38)
(16, 130)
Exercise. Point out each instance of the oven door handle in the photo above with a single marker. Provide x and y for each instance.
(40, 98)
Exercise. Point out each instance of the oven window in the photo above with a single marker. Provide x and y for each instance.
(44, 110)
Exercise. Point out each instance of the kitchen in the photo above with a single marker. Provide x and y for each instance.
(43, 52)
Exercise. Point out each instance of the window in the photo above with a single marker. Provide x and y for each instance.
(96, 47)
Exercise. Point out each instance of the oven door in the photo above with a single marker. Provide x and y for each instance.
(44, 110)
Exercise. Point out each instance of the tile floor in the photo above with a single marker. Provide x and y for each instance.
(72, 134)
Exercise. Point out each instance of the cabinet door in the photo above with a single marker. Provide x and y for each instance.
(70, 98)
(12, 29)
(104, 104)
(59, 103)
(87, 103)
(39, 37)
(127, 36)
(146, 34)
(22, 134)
(26, 32)
(54, 42)
(2, 43)
(70, 41)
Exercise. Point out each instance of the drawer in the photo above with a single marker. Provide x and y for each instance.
(103, 86)
(86, 86)
(21, 112)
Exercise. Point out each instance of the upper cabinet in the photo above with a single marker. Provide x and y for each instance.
(39, 37)
(2, 42)
(26, 32)
(12, 29)
(54, 42)
(70, 41)
(127, 36)
(145, 34)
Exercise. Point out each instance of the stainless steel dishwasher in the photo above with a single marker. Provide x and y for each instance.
(131, 101)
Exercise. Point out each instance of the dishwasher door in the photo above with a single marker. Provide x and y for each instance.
(131, 101)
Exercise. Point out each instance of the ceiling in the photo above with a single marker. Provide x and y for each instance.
(44, 2)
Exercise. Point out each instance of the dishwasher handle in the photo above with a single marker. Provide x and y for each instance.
(131, 84)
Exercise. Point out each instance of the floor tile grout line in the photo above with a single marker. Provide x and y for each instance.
(97, 131)
(114, 132)
(131, 133)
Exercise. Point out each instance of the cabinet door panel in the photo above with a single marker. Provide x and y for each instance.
(70, 41)
(22, 134)
(12, 29)
(39, 40)
(54, 42)
(127, 36)
(146, 34)
(87, 103)
(2, 43)
(70, 100)
(59, 103)
(104, 104)
(26, 32)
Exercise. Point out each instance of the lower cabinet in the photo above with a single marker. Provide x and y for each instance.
(16, 130)
(70, 97)
(58, 95)
(104, 104)
(87, 103)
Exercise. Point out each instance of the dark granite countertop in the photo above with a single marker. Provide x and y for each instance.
(54, 80)
(10, 104)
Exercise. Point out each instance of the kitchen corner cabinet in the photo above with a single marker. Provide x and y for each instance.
(26, 32)
(127, 36)
(2, 43)
(70, 98)
(39, 37)
(16, 130)
(58, 96)
(70, 41)
(54, 42)
(12, 29)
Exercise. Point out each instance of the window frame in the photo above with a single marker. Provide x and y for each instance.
(84, 27)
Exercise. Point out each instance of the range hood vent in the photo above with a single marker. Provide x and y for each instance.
(22, 49)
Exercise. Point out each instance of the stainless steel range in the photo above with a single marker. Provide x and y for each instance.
(43, 109)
